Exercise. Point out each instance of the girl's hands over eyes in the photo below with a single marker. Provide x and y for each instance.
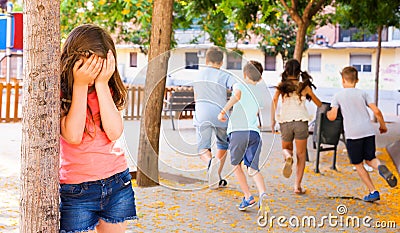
(86, 72)
(107, 70)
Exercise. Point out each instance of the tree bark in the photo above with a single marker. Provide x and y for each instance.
(302, 21)
(300, 40)
(160, 41)
(378, 59)
(39, 204)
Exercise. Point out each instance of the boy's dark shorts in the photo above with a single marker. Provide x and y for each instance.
(245, 146)
(361, 149)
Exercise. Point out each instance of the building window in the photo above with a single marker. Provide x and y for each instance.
(133, 59)
(270, 62)
(192, 61)
(396, 34)
(356, 35)
(234, 61)
(362, 62)
(314, 62)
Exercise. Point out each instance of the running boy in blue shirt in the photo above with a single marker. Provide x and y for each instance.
(359, 131)
(244, 133)
(210, 91)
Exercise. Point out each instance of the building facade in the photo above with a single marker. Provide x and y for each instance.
(332, 49)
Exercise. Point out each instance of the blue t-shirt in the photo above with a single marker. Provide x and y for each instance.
(353, 105)
(210, 89)
(244, 115)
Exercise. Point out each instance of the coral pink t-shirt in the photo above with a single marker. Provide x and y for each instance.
(96, 157)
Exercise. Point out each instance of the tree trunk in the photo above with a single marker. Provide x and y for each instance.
(160, 40)
(39, 204)
(300, 40)
(378, 59)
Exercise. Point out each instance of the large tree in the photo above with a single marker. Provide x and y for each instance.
(160, 42)
(39, 206)
(370, 16)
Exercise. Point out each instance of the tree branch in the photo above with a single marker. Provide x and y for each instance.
(315, 9)
(293, 13)
(294, 5)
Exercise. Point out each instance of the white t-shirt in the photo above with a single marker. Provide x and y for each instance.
(353, 104)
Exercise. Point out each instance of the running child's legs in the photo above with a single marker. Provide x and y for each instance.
(301, 150)
(241, 178)
(204, 136)
(259, 180)
(365, 178)
(221, 155)
(246, 146)
(359, 150)
(287, 145)
(374, 163)
(222, 146)
(205, 155)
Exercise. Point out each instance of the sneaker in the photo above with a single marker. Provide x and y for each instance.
(366, 166)
(387, 175)
(247, 203)
(213, 177)
(287, 168)
(222, 183)
(371, 197)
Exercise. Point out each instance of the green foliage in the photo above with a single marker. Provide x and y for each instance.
(280, 38)
(128, 20)
(367, 15)
(205, 15)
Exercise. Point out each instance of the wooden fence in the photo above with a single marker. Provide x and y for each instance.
(11, 101)
(133, 110)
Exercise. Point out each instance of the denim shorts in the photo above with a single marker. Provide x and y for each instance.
(245, 146)
(83, 205)
(204, 135)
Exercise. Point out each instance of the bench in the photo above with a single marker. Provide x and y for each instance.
(178, 101)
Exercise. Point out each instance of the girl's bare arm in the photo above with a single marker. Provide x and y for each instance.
(73, 124)
(111, 118)
(274, 105)
(314, 98)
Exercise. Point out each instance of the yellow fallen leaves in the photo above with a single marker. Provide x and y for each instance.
(174, 207)
(156, 205)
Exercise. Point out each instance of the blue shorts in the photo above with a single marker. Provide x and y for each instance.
(245, 146)
(83, 205)
(204, 135)
(361, 149)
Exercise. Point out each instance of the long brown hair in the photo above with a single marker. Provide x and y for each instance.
(85, 40)
(286, 86)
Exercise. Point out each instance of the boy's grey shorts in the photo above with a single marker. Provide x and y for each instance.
(294, 130)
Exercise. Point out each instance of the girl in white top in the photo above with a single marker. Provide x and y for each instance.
(293, 118)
